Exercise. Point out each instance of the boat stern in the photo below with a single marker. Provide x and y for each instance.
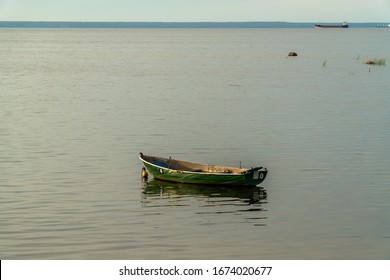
(256, 175)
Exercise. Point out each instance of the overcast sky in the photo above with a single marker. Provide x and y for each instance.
(196, 10)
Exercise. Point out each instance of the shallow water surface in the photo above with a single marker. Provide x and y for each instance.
(78, 105)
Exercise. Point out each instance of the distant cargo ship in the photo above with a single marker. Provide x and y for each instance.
(343, 25)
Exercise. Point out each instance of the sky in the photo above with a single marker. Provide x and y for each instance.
(196, 10)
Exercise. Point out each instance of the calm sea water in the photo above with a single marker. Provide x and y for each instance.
(78, 105)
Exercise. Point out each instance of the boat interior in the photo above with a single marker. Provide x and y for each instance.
(191, 166)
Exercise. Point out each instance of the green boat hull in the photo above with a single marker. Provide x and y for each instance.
(251, 177)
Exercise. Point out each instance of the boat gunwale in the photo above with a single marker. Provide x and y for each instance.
(243, 173)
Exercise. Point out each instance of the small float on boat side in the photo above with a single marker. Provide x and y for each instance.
(174, 170)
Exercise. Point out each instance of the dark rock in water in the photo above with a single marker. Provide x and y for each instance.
(292, 54)
(376, 62)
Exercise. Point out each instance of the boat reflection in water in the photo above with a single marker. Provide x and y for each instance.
(207, 199)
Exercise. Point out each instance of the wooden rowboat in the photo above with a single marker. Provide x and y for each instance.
(173, 170)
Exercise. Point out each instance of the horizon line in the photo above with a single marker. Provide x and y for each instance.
(184, 24)
(207, 21)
